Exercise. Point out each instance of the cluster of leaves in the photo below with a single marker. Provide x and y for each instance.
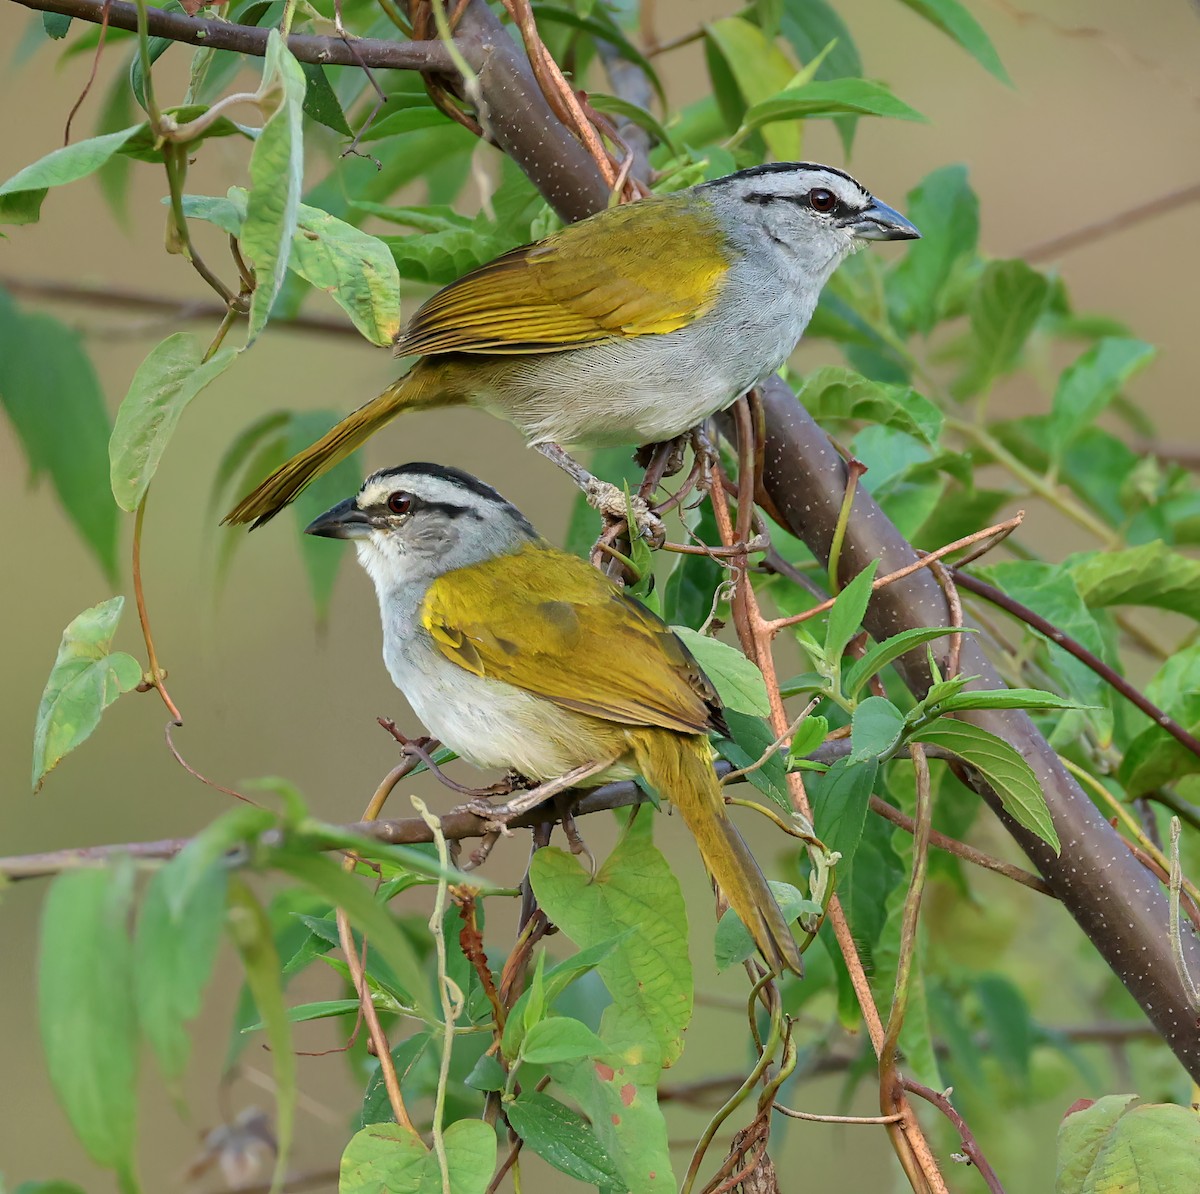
(575, 1062)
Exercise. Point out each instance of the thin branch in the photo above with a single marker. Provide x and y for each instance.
(970, 1145)
(249, 39)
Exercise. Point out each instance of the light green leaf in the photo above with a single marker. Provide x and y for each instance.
(21, 196)
(1151, 574)
(614, 105)
(810, 734)
(634, 889)
(847, 613)
(86, 678)
(835, 392)
(276, 179)
(86, 1011)
(174, 950)
(956, 22)
(1003, 698)
(733, 944)
(561, 1137)
(1090, 383)
(888, 651)
(165, 382)
(50, 1187)
(738, 682)
(1004, 306)
(560, 1039)
(836, 97)
(875, 729)
(407, 120)
(388, 1157)
(48, 385)
(1010, 777)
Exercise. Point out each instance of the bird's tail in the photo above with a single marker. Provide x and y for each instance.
(420, 386)
(681, 769)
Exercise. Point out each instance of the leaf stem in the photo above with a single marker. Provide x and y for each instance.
(155, 675)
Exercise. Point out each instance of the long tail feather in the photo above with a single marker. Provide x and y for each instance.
(680, 768)
(286, 482)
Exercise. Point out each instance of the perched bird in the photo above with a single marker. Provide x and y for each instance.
(517, 655)
(630, 327)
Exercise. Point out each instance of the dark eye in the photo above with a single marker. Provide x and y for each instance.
(400, 503)
(822, 200)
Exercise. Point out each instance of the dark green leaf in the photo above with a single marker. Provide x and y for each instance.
(750, 740)
(488, 1074)
(376, 1107)
(954, 20)
(738, 682)
(561, 1137)
(116, 113)
(47, 386)
(614, 105)
(1005, 698)
(1155, 758)
(385, 1156)
(733, 943)
(1009, 1026)
(847, 613)
(814, 29)
(559, 1039)
(55, 25)
(320, 101)
(86, 1011)
(1010, 777)
(407, 120)
(174, 950)
(1090, 383)
(875, 729)
(840, 799)
(836, 97)
(888, 651)
(165, 382)
(50, 1187)
(688, 592)
(834, 392)
(86, 678)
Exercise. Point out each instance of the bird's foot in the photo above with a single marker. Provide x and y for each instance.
(646, 455)
(617, 507)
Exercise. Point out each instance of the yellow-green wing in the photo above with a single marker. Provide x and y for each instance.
(603, 278)
(550, 623)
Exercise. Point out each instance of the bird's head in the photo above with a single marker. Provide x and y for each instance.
(418, 521)
(814, 213)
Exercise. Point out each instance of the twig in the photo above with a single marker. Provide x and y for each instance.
(87, 87)
(970, 1145)
(816, 1117)
(155, 676)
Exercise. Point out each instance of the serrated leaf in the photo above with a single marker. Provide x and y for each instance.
(956, 22)
(1090, 383)
(386, 1156)
(276, 179)
(835, 97)
(86, 678)
(561, 1137)
(888, 651)
(1003, 307)
(560, 1038)
(733, 944)
(738, 682)
(835, 392)
(847, 613)
(21, 196)
(840, 799)
(875, 729)
(1151, 574)
(1009, 776)
(165, 382)
(48, 384)
(86, 1011)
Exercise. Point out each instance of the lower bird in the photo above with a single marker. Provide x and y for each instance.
(519, 656)
(630, 327)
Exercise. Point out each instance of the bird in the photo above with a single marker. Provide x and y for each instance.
(519, 656)
(629, 327)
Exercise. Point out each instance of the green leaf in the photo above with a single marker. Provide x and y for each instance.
(165, 382)
(386, 1156)
(86, 678)
(1009, 776)
(1155, 758)
(174, 950)
(953, 19)
(86, 1011)
(21, 196)
(1003, 307)
(875, 729)
(1119, 1143)
(634, 889)
(810, 735)
(946, 209)
(834, 392)
(376, 1106)
(441, 257)
(1090, 383)
(1004, 698)
(738, 682)
(488, 1074)
(761, 71)
(560, 1039)
(750, 738)
(48, 385)
(50, 1187)
(614, 105)
(840, 799)
(1152, 575)
(407, 120)
(116, 111)
(276, 179)
(733, 944)
(251, 933)
(561, 1137)
(836, 97)
(818, 34)
(320, 100)
(1009, 1026)
(888, 651)
(56, 25)
(847, 613)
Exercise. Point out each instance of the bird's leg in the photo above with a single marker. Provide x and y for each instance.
(566, 802)
(608, 499)
(422, 748)
(502, 814)
(660, 460)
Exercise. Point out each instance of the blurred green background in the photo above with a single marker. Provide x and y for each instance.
(1104, 115)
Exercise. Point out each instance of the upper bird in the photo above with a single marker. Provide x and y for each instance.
(630, 327)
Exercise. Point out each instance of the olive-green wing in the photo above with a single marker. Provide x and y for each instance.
(550, 623)
(600, 279)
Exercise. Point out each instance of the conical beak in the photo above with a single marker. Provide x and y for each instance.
(880, 222)
(343, 521)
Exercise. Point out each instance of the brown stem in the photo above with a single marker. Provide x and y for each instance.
(970, 1145)
(155, 675)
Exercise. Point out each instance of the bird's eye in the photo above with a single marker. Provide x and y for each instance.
(399, 503)
(822, 200)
